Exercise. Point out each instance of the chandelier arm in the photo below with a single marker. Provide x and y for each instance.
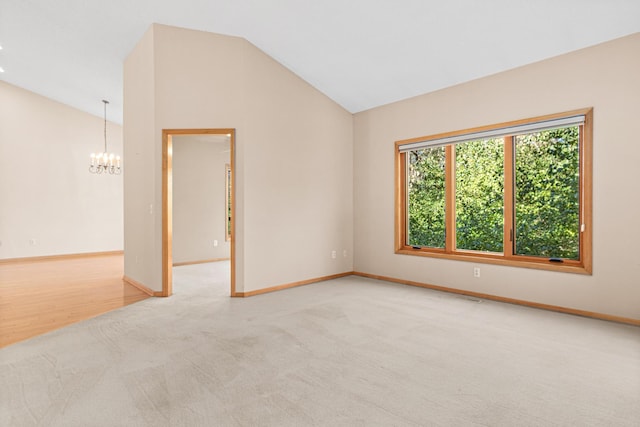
(105, 162)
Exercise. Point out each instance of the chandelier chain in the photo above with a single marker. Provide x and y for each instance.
(105, 124)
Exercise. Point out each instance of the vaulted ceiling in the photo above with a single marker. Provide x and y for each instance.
(360, 53)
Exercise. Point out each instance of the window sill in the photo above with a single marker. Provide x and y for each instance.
(486, 258)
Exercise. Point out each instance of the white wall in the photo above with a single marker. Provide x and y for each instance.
(294, 164)
(46, 190)
(302, 163)
(604, 77)
(199, 191)
(296, 148)
(140, 219)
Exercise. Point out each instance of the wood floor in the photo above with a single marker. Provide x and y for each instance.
(40, 296)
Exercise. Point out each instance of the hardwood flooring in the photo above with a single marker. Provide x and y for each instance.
(39, 296)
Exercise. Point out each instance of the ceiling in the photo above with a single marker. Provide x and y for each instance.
(360, 53)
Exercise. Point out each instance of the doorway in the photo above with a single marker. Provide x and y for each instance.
(167, 203)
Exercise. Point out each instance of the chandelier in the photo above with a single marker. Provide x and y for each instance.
(105, 162)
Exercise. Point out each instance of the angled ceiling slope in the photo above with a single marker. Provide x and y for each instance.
(360, 53)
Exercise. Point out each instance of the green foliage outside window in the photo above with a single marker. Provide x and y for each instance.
(547, 194)
(426, 197)
(480, 195)
(546, 199)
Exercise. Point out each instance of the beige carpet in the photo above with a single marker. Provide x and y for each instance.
(349, 352)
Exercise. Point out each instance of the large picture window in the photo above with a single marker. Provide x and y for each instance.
(516, 193)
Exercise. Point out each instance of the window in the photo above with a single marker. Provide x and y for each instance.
(227, 202)
(515, 193)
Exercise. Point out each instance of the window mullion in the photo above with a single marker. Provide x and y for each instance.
(402, 199)
(509, 194)
(450, 198)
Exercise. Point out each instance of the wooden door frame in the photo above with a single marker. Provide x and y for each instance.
(167, 203)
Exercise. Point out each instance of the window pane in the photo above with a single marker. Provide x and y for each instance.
(479, 195)
(426, 201)
(547, 203)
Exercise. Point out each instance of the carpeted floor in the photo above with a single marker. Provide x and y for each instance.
(348, 352)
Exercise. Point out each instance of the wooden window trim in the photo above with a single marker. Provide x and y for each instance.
(508, 258)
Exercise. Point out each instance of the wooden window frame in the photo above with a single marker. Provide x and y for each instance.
(582, 266)
(227, 201)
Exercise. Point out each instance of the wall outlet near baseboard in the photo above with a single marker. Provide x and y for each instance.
(215, 243)
(476, 271)
(33, 242)
(334, 254)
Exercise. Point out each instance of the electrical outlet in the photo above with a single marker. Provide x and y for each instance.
(334, 254)
(33, 242)
(476, 271)
(344, 253)
(215, 243)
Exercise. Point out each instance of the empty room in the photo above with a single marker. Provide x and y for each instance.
(335, 213)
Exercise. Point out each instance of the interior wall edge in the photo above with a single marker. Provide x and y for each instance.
(292, 285)
(200, 261)
(548, 307)
(141, 286)
(59, 257)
